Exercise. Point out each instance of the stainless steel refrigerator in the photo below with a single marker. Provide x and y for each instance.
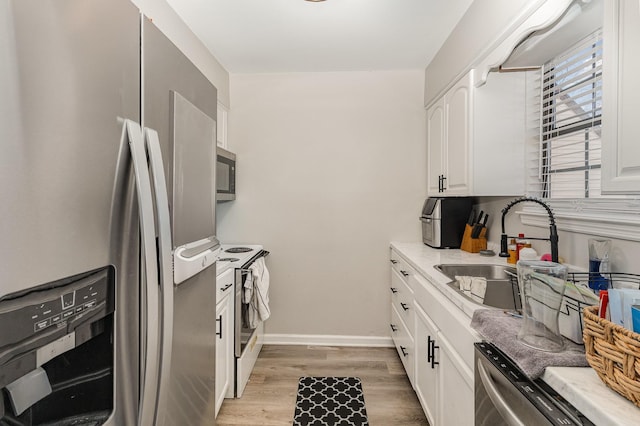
(107, 219)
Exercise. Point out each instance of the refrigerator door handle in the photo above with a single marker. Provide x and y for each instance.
(152, 143)
(186, 264)
(149, 386)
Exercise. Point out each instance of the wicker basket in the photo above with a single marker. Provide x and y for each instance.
(614, 352)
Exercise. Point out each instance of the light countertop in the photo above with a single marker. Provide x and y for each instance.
(580, 386)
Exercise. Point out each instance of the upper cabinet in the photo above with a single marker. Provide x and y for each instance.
(449, 134)
(475, 138)
(621, 98)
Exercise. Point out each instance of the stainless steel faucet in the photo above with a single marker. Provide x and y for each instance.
(553, 231)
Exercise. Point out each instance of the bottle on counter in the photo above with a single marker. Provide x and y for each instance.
(512, 250)
(520, 244)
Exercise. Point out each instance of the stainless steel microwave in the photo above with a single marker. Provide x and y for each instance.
(225, 175)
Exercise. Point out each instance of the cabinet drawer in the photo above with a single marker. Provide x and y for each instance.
(402, 300)
(403, 342)
(224, 284)
(400, 266)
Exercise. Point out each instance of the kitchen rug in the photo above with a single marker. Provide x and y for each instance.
(330, 401)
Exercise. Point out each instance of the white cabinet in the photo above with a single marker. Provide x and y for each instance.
(443, 382)
(426, 372)
(621, 98)
(476, 137)
(437, 350)
(402, 321)
(455, 388)
(448, 133)
(435, 147)
(224, 337)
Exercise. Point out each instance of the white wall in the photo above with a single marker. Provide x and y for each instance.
(168, 21)
(331, 168)
(480, 28)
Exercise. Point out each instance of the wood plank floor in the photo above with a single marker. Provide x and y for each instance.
(270, 396)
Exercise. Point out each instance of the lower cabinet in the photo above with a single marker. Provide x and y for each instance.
(224, 348)
(434, 340)
(455, 387)
(427, 367)
(443, 382)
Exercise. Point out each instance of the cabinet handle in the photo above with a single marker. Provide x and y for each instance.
(394, 290)
(226, 287)
(431, 351)
(444, 178)
(393, 261)
(404, 351)
(439, 183)
(219, 320)
(404, 306)
(404, 273)
(393, 328)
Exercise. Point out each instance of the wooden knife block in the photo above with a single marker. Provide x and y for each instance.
(473, 245)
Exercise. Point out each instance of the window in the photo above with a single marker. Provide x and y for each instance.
(570, 123)
(563, 149)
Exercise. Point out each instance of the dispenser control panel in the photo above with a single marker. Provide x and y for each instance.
(36, 311)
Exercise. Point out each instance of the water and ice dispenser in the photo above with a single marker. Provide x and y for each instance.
(56, 352)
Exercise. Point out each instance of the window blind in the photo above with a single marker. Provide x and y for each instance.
(568, 158)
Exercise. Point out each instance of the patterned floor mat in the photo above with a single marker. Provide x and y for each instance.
(330, 401)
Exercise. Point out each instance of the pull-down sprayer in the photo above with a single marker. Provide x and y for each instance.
(553, 231)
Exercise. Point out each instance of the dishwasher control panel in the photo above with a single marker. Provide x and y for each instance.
(547, 401)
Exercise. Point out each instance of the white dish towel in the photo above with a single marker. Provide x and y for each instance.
(256, 293)
(473, 287)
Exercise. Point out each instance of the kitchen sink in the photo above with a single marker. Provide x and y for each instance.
(502, 292)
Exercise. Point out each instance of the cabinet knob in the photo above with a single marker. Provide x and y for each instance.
(394, 290)
(404, 306)
(404, 273)
(393, 261)
(404, 351)
(393, 328)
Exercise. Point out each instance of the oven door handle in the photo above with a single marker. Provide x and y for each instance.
(498, 400)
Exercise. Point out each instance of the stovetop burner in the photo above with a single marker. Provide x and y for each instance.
(238, 250)
(228, 259)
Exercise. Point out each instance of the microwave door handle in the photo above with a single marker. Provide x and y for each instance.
(149, 386)
(498, 400)
(152, 143)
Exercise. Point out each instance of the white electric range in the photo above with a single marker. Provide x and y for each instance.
(247, 342)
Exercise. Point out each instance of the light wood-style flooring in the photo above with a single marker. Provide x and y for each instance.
(270, 396)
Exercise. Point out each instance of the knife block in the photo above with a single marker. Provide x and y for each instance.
(473, 245)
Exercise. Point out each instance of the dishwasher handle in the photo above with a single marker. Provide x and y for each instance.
(496, 397)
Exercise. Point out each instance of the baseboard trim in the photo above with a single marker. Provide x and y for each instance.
(327, 340)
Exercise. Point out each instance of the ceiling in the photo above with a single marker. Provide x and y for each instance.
(264, 36)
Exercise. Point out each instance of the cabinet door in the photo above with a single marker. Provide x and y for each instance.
(621, 98)
(435, 146)
(426, 372)
(224, 349)
(455, 392)
(458, 133)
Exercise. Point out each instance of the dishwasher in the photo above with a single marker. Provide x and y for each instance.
(505, 396)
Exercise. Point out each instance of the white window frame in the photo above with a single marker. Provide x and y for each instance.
(606, 217)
